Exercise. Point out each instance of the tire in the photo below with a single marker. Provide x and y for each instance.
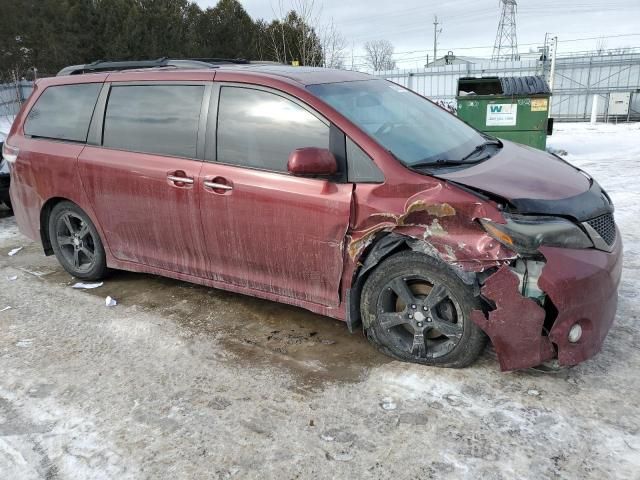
(76, 242)
(417, 310)
(7, 203)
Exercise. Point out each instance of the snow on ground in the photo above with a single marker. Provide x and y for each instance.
(180, 381)
(5, 126)
(611, 154)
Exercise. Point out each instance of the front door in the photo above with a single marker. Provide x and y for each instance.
(142, 181)
(264, 228)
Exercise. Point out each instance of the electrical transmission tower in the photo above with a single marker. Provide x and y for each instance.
(506, 46)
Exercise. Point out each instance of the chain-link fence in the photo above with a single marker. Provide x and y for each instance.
(12, 95)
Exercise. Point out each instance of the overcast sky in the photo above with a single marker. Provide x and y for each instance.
(468, 26)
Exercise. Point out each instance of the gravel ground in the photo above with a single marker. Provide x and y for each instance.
(180, 381)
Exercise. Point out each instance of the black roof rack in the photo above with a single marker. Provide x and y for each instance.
(103, 66)
(238, 61)
(110, 66)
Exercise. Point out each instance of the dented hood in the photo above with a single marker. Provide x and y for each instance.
(518, 172)
(535, 182)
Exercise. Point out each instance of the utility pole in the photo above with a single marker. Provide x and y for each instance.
(435, 37)
(553, 63)
(553, 70)
(352, 47)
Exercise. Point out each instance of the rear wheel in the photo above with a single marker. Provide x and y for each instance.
(76, 242)
(418, 310)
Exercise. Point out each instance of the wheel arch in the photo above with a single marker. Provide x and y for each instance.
(385, 245)
(45, 213)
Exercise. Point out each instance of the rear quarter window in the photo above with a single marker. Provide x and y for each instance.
(63, 112)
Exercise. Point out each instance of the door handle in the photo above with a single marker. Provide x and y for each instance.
(217, 186)
(176, 179)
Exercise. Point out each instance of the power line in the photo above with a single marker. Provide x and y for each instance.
(540, 11)
(571, 40)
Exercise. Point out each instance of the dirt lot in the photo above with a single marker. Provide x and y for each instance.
(181, 382)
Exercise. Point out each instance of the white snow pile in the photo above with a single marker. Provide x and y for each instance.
(611, 154)
(583, 141)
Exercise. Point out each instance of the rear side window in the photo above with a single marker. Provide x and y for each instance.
(159, 119)
(63, 112)
(260, 129)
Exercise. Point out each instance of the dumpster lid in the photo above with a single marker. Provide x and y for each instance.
(509, 86)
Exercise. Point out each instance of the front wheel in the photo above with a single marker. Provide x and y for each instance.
(418, 310)
(76, 242)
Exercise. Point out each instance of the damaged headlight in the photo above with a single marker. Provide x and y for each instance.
(526, 233)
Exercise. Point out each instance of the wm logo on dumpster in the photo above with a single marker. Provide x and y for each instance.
(502, 115)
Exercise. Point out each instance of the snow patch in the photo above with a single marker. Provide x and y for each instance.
(5, 127)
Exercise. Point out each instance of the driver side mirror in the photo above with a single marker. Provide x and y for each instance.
(312, 161)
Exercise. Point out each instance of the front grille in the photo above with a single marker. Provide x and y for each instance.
(605, 225)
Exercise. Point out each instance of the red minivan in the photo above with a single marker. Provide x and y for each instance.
(335, 191)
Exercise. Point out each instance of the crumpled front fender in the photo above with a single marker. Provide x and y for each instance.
(582, 287)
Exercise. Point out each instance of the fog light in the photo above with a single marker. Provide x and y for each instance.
(575, 333)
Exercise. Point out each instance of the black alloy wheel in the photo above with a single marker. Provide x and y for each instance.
(76, 242)
(420, 315)
(417, 309)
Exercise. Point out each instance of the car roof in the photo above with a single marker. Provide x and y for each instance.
(302, 76)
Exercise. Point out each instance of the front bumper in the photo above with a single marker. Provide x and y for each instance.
(582, 285)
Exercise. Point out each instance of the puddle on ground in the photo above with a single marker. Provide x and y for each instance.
(314, 348)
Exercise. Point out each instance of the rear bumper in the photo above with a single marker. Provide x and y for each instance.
(582, 285)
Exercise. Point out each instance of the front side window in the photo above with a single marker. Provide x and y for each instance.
(63, 112)
(160, 119)
(362, 169)
(259, 129)
(415, 130)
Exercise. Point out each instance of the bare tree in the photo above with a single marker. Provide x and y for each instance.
(310, 19)
(333, 47)
(299, 33)
(293, 35)
(379, 55)
(14, 58)
(277, 35)
(601, 46)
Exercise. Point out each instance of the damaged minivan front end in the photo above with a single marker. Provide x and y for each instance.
(557, 300)
(546, 268)
(520, 244)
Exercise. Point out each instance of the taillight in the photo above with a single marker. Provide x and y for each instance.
(9, 153)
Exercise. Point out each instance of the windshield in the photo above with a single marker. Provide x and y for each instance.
(412, 128)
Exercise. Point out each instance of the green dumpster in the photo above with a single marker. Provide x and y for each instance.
(512, 108)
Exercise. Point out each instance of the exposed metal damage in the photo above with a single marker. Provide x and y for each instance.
(515, 324)
(515, 318)
(448, 229)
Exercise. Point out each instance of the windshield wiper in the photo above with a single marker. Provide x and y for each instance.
(482, 147)
(441, 162)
